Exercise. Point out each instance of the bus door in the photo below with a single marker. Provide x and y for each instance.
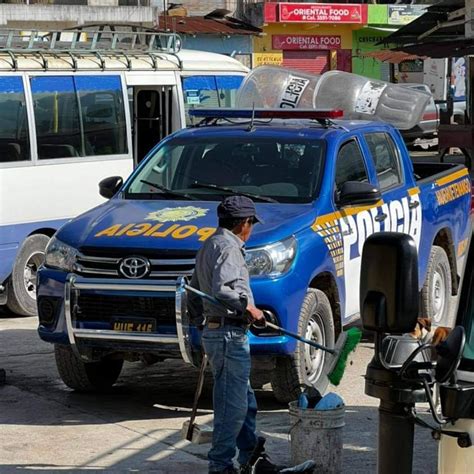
(152, 117)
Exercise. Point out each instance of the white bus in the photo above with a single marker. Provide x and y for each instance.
(65, 125)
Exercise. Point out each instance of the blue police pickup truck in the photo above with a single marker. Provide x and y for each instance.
(110, 288)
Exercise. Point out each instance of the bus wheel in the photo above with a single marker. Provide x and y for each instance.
(22, 285)
(436, 292)
(306, 366)
(86, 376)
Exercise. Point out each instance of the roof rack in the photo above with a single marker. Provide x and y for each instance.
(322, 116)
(103, 38)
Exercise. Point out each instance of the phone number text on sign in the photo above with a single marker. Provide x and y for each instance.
(320, 13)
(305, 42)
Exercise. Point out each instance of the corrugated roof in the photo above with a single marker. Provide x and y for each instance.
(192, 25)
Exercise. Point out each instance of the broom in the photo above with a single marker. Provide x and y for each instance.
(345, 344)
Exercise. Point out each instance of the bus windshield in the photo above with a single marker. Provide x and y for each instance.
(210, 91)
(269, 169)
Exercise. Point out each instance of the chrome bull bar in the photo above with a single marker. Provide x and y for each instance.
(75, 283)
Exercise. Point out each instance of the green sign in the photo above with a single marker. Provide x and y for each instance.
(404, 14)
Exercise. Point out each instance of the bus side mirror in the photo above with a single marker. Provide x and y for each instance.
(389, 283)
(108, 187)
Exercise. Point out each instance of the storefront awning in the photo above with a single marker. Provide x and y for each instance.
(394, 57)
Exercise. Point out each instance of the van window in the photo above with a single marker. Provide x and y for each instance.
(14, 140)
(57, 117)
(79, 116)
(209, 91)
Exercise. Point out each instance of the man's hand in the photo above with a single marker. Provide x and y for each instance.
(254, 313)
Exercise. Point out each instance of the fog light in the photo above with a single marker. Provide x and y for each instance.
(47, 309)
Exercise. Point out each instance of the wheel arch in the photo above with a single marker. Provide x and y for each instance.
(444, 239)
(48, 231)
(326, 282)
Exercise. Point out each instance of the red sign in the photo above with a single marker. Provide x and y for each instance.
(322, 13)
(270, 12)
(306, 42)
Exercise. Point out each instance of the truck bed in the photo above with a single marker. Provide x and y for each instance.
(427, 172)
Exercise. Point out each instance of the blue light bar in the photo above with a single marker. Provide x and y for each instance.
(223, 113)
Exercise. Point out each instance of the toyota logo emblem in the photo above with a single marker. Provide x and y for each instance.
(134, 267)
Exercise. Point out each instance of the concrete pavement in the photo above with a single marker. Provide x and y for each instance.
(44, 426)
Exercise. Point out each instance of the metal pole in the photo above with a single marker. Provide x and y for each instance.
(396, 437)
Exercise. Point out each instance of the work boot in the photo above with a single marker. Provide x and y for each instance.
(259, 462)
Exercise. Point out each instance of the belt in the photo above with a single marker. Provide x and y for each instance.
(215, 323)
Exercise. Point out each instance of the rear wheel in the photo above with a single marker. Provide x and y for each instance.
(86, 376)
(436, 293)
(307, 366)
(22, 284)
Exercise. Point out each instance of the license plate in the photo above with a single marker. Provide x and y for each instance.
(139, 325)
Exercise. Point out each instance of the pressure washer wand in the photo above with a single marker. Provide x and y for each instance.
(297, 336)
(215, 301)
(345, 344)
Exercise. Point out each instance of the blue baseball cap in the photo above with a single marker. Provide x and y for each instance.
(237, 206)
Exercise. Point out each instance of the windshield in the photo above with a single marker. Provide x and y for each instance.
(207, 169)
(210, 91)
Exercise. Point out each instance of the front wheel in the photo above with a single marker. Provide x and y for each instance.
(307, 365)
(22, 285)
(86, 376)
(436, 292)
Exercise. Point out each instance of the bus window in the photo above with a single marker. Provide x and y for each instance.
(57, 117)
(14, 141)
(79, 116)
(103, 115)
(227, 89)
(209, 91)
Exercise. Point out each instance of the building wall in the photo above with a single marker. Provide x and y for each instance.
(364, 41)
(237, 46)
(340, 58)
(32, 16)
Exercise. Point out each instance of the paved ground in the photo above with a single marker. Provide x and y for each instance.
(45, 426)
(135, 427)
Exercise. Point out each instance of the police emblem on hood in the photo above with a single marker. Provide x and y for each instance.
(174, 214)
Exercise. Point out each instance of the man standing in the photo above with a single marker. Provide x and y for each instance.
(221, 272)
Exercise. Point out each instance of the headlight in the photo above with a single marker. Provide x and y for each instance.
(272, 260)
(59, 255)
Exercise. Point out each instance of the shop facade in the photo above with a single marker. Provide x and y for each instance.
(382, 20)
(312, 37)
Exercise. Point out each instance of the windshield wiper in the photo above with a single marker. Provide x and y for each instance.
(167, 191)
(197, 184)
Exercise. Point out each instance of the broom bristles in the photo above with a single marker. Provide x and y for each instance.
(353, 338)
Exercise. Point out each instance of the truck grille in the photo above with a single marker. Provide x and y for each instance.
(104, 308)
(166, 266)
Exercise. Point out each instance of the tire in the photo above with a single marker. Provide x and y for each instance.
(22, 284)
(86, 376)
(436, 293)
(306, 366)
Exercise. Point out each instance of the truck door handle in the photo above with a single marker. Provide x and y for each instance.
(380, 217)
(414, 204)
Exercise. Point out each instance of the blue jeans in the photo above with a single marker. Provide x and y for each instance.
(235, 407)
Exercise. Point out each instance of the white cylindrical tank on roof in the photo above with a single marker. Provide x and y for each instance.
(359, 97)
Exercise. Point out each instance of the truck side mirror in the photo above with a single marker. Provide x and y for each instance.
(108, 187)
(389, 290)
(355, 192)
